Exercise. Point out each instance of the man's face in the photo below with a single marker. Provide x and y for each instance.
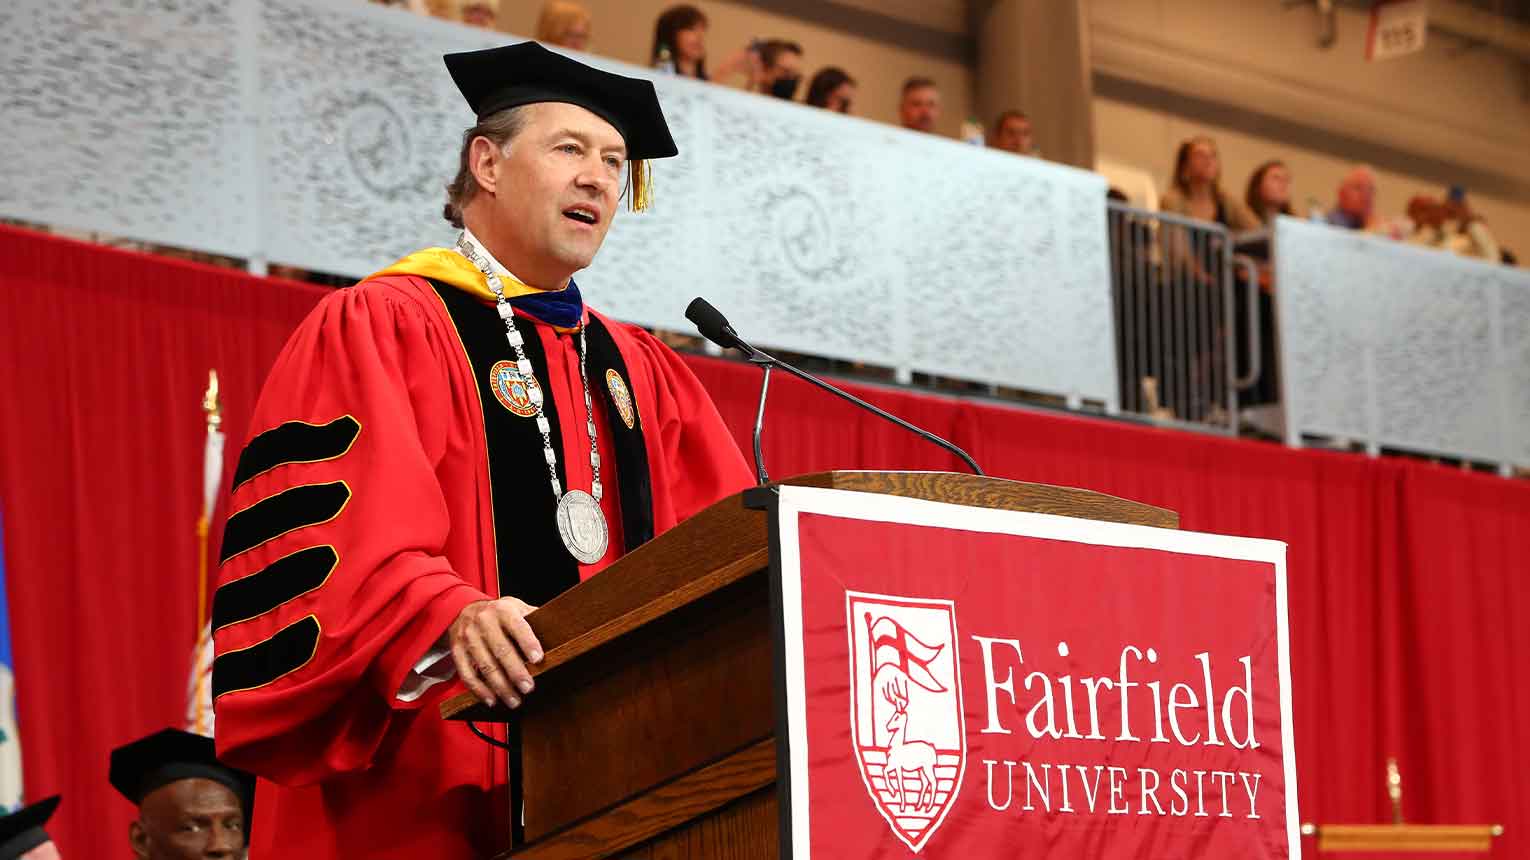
(478, 15)
(189, 819)
(577, 36)
(1357, 194)
(554, 193)
(920, 109)
(1014, 135)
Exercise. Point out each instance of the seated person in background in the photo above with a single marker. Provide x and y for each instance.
(1012, 133)
(478, 13)
(189, 803)
(1356, 200)
(780, 69)
(563, 23)
(1428, 217)
(1197, 189)
(680, 42)
(919, 109)
(680, 47)
(831, 89)
(22, 836)
(1269, 192)
(1466, 234)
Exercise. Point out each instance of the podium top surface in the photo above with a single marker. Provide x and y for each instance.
(995, 493)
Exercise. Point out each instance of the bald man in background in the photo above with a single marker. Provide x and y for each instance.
(1357, 200)
(190, 805)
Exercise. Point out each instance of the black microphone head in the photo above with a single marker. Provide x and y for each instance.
(711, 323)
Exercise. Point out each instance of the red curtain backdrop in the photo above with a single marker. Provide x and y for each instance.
(1407, 581)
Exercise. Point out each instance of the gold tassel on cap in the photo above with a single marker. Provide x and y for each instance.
(640, 185)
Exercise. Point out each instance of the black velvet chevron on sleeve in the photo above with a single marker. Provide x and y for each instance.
(286, 511)
(287, 578)
(260, 664)
(296, 442)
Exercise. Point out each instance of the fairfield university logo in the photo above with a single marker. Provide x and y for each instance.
(906, 709)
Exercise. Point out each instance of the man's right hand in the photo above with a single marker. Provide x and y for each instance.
(492, 645)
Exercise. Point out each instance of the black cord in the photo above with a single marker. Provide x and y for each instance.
(488, 740)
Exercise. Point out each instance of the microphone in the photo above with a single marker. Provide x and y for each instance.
(714, 327)
(711, 323)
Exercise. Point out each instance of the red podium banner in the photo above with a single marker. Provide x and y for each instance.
(969, 683)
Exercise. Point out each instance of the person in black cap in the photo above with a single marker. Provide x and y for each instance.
(22, 836)
(190, 805)
(439, 450)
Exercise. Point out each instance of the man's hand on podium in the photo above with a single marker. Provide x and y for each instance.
(491, 645)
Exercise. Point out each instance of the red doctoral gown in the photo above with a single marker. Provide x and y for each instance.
(365, 518)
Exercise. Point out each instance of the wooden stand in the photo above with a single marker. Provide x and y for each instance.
(1414, 838)
(1400, 837)
(651, 731)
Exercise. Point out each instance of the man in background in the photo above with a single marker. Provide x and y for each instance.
(919, 109)
(1357, 199)
(1012, 133)
(190, 805)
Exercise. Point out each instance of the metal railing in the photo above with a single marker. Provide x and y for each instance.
(1184, 303)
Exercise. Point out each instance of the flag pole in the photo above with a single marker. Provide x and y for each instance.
(213, 411)
(199, 690)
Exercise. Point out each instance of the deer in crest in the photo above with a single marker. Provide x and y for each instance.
(905, 756)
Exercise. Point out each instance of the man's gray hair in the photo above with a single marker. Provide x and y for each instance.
(500, 128)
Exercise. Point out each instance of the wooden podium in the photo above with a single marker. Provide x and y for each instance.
(651, 731)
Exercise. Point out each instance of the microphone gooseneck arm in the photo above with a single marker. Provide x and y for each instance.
(715, 328)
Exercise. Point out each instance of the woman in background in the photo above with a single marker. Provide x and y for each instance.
(680, 42)
(680, 47)
(1195, 266)
(832, 89)
(1197, 188)
(564, 23)
(1268, 195)
(1269, 192)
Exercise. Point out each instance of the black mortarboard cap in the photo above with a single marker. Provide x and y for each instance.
(22, 830)
(495, 79)
(169, 755)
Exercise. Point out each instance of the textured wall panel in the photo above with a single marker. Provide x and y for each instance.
(1403, 346)
(322, 134)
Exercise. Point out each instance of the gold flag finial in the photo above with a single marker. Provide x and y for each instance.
(210, 403)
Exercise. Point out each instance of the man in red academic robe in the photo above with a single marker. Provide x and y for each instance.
(438, 451)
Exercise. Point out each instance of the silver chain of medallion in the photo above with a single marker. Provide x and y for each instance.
(581, 523)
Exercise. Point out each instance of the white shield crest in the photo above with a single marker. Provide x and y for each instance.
(906, 709)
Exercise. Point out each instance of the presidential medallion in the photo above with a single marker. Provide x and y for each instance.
(514, 392)
(582, 525)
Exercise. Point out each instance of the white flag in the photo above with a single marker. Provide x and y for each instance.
(199, 705)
